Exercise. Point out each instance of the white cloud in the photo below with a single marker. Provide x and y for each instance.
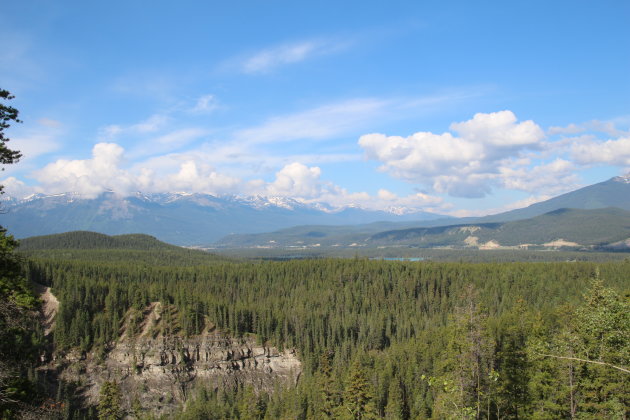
(192, 177)
(104, 172)
(569, 129)
(166, 143)
(318, 123)
(466, 165)
(36, 141)
(205, 104)
(152, 124)
(299, 181)
(595, 126)
(35, 144)
(270, 58)
(588, 151)
(383, 200)
(528, 201)
(499, 129)
(13, 187)
(89, 177)
(178, 138)
(555, 177)
(296, 180)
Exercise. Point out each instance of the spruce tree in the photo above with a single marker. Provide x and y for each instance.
(358, 395)
(109, 404)
(395, 409)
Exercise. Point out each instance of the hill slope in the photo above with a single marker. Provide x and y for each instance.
(94, 240)
(612, 193)
(585, 228)
(134, 249)
(563, 227)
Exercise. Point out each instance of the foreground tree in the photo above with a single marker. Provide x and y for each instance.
(464, 389)
(8, 115)
(17, 320)
(588, 360)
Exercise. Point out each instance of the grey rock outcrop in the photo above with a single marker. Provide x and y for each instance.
(158, 371)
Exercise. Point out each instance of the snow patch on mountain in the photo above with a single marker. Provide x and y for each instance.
(624, 179)
(257, 202)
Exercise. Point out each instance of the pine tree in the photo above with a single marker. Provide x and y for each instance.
(327, 386)
(252, 406)
(109, 402)
(395, 409)
(359, 394)
(513, 363)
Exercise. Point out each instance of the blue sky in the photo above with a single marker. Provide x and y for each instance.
(454, 107)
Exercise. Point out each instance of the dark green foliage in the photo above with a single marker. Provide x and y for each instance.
(395, 409)
(585, 227)
(358, 396)
(92, 240)
(329, 393)
(19, 332)
(368, 332)
(109, 402)
(8, 115)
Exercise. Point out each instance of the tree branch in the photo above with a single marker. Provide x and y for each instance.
(586, 361)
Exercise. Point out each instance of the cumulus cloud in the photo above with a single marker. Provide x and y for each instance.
(588, 151)
(464, 165)
(499, 129)
(89, 177)
(13, 187)
(304, 183)
(296, 180)
(193, 177)
(382, 200)
(555, 177)
(105, 171)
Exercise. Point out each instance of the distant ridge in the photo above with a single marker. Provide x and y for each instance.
(93, 240)
(598, 228)
(604, 228)
(178, 218)
(612, 193)
(203, 220)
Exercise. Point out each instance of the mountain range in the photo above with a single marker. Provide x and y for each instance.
(178, 218)
(599, 217)
(593, 216)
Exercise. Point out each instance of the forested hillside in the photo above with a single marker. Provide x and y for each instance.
(94, 240)
(377, 339)
(131, 248)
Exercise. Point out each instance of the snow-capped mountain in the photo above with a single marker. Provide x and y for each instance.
(179, 218)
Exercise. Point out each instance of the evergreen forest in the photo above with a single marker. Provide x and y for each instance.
(377, 339)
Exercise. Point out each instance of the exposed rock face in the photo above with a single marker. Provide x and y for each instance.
(158, 371)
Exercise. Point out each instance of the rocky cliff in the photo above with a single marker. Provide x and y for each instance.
(157, 371)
